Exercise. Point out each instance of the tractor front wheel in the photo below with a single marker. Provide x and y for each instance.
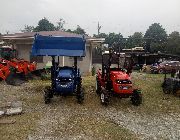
(48, 94)
(136, 98)
(104, 97)
(98, 87)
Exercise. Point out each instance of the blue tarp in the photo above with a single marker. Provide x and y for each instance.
(58, 46)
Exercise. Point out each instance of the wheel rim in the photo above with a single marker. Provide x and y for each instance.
(102, 97)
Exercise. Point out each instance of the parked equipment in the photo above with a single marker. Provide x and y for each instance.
(16, 69)
(4, 72)
(172, 84)
(64, 80)
(115, 80)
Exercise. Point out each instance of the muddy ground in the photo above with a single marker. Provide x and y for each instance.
(157, 118)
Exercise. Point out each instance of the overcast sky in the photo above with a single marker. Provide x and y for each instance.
(124, 16)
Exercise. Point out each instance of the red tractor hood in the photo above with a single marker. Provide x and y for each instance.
(119, 75)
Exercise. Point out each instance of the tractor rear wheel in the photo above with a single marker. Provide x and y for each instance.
(136, 98)
(80, 93)
(80, 96)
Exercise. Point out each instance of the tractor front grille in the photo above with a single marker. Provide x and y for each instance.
(64, 81)
(126, 81)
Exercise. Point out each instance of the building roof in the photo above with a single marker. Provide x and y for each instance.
(30, 35)
(44, 33)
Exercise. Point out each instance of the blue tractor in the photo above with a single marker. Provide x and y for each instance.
(64, 80)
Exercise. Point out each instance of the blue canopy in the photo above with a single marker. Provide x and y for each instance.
(58, 46)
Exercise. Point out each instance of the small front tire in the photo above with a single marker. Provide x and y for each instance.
(136, 98)
(104, 98)
(48, 94)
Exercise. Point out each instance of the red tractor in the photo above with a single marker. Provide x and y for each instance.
(114, 79)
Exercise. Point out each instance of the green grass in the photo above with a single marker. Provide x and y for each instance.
(154, 102)
(25, 124)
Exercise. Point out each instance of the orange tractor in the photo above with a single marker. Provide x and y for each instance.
(4, 72)
(12, 67)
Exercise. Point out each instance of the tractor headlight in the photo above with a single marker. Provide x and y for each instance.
(118, 81)
(70, 79)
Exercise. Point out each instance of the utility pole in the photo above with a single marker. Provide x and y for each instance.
(99, 28)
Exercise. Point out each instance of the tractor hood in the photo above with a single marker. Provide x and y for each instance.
(65, 73)
(120, 75)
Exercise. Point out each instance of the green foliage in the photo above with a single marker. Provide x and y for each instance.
(173, 43)
(60, 25)
(157, 33)
(158, 36)
(28, 28)
(113, 39)
(44, 25)
(101, 35)
(136, 40)
(79, 30)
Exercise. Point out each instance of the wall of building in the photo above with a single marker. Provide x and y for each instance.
(23, 51)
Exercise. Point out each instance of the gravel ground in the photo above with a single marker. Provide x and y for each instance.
(65, 119)
(144, 126)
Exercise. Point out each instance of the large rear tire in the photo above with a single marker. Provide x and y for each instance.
(80, 93)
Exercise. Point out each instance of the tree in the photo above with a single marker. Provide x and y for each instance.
(60, 25)
(44, 25)
(98, 49)
(135, 40)
(28, 28)
(101, 35)
(173, 43)
(158, 36)
(114, 38)
(79, 30)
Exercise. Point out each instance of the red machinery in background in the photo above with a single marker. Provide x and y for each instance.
(4, 72)
(10, 65)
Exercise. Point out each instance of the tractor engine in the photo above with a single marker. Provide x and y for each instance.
(65, 81)
(121, 82)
